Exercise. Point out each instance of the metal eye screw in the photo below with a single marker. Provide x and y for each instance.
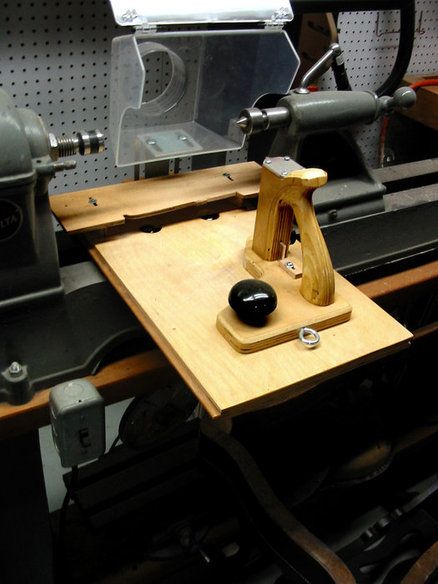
(309, 337)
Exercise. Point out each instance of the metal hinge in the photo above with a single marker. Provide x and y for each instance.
(146, 28)
(278, 19)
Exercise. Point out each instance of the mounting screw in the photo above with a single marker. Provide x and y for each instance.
(290, 265)
(15, 369)
(268, 161)
(284, 173)
(287, 158)
(62, 166)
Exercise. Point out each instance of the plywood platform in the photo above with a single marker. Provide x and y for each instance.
(176, 281)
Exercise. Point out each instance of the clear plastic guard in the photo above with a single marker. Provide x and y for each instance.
(205, 79)
(142, 13)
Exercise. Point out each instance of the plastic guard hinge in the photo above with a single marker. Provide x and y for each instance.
(146, 28)
(131, 17)
(273, 25)
(278, 19)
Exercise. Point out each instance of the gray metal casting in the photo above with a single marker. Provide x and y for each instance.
(28, 161)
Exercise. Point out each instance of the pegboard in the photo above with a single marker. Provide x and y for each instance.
(55, 59)
(370, 43)
(240, 155)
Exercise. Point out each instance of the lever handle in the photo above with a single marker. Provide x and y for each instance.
(334, 51)
(280, 198)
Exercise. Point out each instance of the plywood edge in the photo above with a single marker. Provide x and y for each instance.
(280, 396)
(210, 406)
(247, 339)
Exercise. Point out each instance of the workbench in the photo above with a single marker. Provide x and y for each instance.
(132, 375)
(26, 512)
(175, 276)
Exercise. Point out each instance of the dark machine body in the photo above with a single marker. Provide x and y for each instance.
(45, 335)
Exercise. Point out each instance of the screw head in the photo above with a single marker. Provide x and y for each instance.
(287, 158)
(268, 161)
(182, 138)
(290, 265)
(151, 142)
(53, 147)
(284, 173)
(15, 368)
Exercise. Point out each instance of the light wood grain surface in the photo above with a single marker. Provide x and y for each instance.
(273, 227)
(115, 204)
(176, 281)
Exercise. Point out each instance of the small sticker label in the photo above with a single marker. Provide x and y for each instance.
(11, 218)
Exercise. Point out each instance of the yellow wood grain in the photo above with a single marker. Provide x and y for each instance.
(177, 280)
(278, 195)
(145, 198)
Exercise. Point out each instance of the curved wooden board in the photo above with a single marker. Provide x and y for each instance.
(113, 205)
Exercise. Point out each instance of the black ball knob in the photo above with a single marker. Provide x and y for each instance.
(252, 300)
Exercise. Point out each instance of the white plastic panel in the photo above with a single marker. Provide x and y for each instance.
(142, 12)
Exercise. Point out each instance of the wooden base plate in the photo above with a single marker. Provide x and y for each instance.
(292, 313)
(177, 281)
